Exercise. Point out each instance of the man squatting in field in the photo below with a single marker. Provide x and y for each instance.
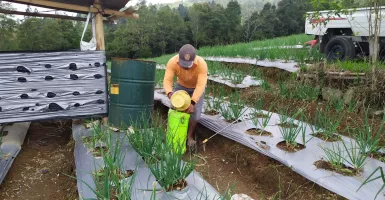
(191, 71)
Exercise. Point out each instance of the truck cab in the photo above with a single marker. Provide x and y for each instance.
(343, 36)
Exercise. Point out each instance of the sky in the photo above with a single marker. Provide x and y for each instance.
(22, 7)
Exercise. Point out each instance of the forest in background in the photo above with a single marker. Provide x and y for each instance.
(160, 29)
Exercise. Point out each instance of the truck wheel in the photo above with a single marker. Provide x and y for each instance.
(340, 48)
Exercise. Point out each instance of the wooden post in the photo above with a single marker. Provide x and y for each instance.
(99, 26)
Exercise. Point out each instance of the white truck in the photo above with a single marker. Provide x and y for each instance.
(344, 36)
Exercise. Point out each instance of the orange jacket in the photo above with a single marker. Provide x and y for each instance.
(195, 77)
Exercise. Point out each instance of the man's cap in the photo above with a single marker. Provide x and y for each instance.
(187, 56)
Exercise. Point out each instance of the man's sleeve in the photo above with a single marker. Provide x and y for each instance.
(201, 83)
(168, 77)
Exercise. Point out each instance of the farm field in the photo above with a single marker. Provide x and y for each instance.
(346, 113)
(283, 48)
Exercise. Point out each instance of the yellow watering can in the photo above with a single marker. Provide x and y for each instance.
(178, 121)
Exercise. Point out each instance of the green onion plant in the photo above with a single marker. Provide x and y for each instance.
(171, 169)
(334, 156)
(375, 177)
(291, 133)
(368, 136)
(355, 157)
(326, 122)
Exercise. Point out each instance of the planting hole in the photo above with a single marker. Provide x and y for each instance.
(212, 112)
(259, 132)
(180, 185)
(327, 137)
(290, 147)
(288, 125)
(344, 170)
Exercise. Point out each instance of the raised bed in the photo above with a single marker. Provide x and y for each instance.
(302, 160)
(144, 185)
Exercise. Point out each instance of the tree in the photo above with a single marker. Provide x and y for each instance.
(7, 29)
(250, 27)
(291, 16)
(233, 15)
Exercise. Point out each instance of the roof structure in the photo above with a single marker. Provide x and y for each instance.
(108, 7)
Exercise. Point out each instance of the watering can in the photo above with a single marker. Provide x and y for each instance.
(178, 121)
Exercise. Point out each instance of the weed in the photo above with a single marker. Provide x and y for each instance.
(265, 86)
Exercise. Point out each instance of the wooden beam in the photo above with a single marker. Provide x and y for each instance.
(99, 28)
(33, 14)
(73, 8)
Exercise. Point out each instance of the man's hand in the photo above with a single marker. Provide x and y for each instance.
(169, 95)
(190, 109)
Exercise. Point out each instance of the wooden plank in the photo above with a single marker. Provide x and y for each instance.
(74, 8)
(33, 14)
(99, 27)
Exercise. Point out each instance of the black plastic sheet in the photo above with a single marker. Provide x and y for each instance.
(37, 86)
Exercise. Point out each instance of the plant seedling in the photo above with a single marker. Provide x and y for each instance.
(355, 157)
(367, 136)
(171, 171)
(334, 156)
(370, 179)
(291, 133)
(234, 108)
(326, 124)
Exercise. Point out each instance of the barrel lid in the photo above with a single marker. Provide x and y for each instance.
(181, 100)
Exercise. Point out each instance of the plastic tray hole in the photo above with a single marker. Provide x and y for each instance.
(73, 67)
(22, 79)
(48, 78)
(51, 95)
(74, 77)
(24, 96)
(98, 76)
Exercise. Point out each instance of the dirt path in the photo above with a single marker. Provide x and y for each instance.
(41, 168)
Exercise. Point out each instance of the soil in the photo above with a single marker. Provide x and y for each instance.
(290, 148)
(324, 137)
(180, 185)
(226, 164)
(212, 112)
(344, 170)
(288, 125)
(97, 151)
(44, 168)
(258, 132)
